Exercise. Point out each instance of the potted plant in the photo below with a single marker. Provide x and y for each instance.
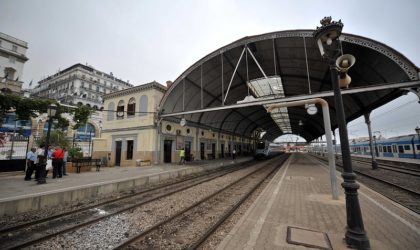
(75, 153)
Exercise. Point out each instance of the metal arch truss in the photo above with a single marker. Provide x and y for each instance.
(272, 100)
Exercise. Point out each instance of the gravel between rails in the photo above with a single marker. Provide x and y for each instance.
(108, 233)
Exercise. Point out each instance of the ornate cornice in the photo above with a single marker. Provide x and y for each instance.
(133, 90)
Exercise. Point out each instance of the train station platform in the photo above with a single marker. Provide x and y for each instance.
(19, 196)
(296, 210)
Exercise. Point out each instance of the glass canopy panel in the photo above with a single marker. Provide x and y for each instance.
(272, 87)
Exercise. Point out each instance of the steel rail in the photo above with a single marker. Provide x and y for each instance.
(100, 218)
(179, 213)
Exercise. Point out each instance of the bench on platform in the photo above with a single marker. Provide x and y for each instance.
(210, 157)
(141, 162)
(87, 162)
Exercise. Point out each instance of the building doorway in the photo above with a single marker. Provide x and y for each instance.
(118, 146)
(167, 151)
(222, 150)
(202, 157)
(188, 151)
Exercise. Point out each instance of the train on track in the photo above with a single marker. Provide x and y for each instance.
(265, 149)
(398, 147)
(407, 146)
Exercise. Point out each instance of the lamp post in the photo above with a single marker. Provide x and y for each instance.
(52, 109)
(327, 37)
(417, 129)
(90, 141)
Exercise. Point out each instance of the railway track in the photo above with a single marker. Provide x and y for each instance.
(399, 169)
(45, 228)
(35, 234)
(395, 187)
(192, 226)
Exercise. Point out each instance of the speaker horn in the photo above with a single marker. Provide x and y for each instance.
(344, 63)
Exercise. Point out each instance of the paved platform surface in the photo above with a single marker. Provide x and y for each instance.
(18, 195)
(299, 199)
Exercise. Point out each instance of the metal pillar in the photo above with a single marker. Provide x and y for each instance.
(327, 127)
(373, 154)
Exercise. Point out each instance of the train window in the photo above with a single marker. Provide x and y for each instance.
(380, 148)
(418, 147)
(400, 149)
(384, 147)
(394, 148)
(407, 147)
(389, 149)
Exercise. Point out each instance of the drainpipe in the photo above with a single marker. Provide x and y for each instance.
(327, 127)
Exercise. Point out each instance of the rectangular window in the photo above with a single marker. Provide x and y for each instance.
(418, 147)
(394, 148)
(131, 109)
(389, 149)
(130, 148)
(407, 147)
(400, 149)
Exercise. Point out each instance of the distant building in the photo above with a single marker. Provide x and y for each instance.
(79, 84)
(12, 60)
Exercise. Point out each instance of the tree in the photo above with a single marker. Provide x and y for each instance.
(57, 138)
(25, 108)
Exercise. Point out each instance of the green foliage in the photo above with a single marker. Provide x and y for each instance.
(75, 153)
(81, 115)
(24, 108)
(62, 123)
(57, 138)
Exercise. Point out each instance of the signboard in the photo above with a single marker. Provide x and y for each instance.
(179, 142)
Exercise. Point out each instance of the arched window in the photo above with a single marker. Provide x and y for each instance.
(10, 124)
(111, 110)
(85, 132)
(120, 109)
(143, 105)
(131, 107)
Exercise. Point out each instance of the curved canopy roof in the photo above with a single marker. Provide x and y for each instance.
(292, 63)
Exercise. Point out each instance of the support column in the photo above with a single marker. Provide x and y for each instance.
(367, 120)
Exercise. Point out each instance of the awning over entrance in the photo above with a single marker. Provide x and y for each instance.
(281, 65)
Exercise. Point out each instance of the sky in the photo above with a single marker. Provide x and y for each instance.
(143, 41)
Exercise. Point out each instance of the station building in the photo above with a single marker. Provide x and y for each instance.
(132, 134)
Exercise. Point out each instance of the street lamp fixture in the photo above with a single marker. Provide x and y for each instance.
(327, 38)
(52, 110)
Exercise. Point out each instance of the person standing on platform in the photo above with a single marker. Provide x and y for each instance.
(234, 154)
(31, 158)
(40, 161)
(66, 155)
(57, 162)
(182, 155)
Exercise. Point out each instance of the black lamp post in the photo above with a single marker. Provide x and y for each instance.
(327, 37)
(52, 109)
(417, 129)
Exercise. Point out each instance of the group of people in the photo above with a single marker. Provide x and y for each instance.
(36, 162)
